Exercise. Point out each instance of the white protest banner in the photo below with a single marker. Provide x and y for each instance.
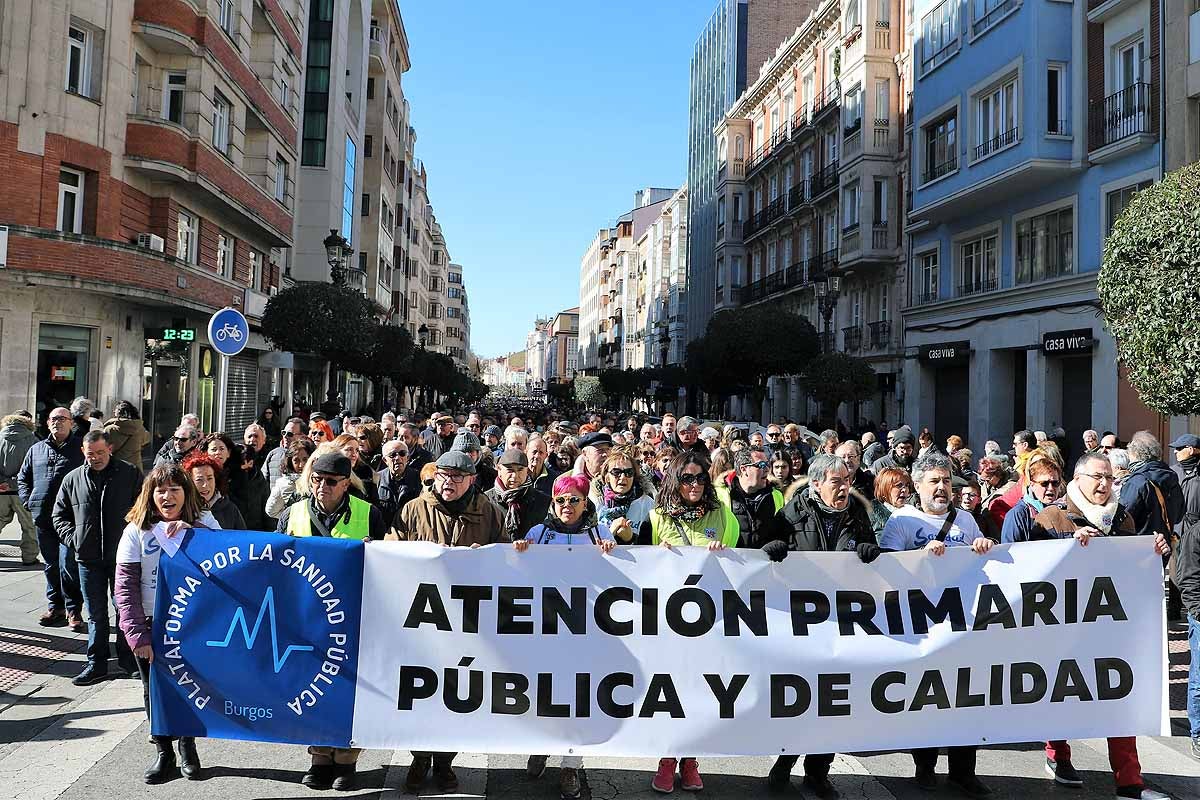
(684, 652)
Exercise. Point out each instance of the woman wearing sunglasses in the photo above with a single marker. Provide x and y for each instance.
(1044, 484)
(687, 513)
(570, 521)
(624, 502)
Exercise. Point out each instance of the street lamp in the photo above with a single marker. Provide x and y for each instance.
(664, 339)
(423, 334)
(828, 290)
(337, 253)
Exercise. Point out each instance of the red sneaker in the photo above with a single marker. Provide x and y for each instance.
(689, 775)
(664, 779)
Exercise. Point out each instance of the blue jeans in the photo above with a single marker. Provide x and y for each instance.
(1193, 690)
(97, 579)
(62, 575)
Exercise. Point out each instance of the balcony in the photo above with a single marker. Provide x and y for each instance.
(935, 171)
(1059, 127)
(852, 338)
(995, 144)
(851, 239)
(852, 145)
(925, 298)
(1121, 122)
(827, 342)
(356, 279)
(825, 180)
(880, 335)
(827, 101)
(977, 287)
(379, 46)
(800, 120)
(879, 236)
(797, 196)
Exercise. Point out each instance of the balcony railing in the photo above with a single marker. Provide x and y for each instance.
(827, 342)
(829, 98)
(977, 287)
(1120, 115)
(825, 179)
(853, 144)
(851, 239)
(852, 338)
(936, 171)
(1059, 127)
(798, 195)
(879, 236)
(997, 143)
(800, 119)
(925, 298)
(986, 21)
(881, 335)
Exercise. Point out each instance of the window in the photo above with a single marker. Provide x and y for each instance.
(453, 292)
(883, 101)
(454, 312)
(257, 281)
(370, 88)
(316, 83)
(454, 277)
(939, 35)
(349, 170)
(853, 15)
(737, 208)
(366, 205)
(1056, 100)
(1046, 246)
(281, 179)
(187, 234)
(977, 265)
(884, 13)
(369, 146)
(773, 190)
(927, 278)
(806, 93)
(173, 96)
(772, 258)
(80, 42)
(879, 211)
(989, 12)
(224, 255)
(285, 87)
(853, 111)
(70, 200)
(996, 118)
(1116, 202)
(941, 148)
(720, 212)
(850, 206)
(222, 115)
(227, 15)
(883, 302)
(735, 271)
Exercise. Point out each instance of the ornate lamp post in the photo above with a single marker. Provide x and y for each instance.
(829, 288)
(337, 253)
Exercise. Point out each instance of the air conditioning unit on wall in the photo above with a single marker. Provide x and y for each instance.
(151, 242)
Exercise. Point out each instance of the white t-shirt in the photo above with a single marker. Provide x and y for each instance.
(540, 534)
(910, 528)
(141, 547)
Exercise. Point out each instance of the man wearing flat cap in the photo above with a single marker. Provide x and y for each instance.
(454, 514)
(514, 493)
(594, 447)
(441, 438)
(331, 511)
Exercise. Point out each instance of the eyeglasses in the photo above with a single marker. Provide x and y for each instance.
(690, 478)
(396, 454)
(453, 477)
(568, 500)
(758, 464)
(317, 480)
(1106, 447)
(60, 419)
(621, 473)
(287, 434)
(363, 438)
(1096, 476)
(174, 438)
(1049, 483)
(476, 426)
(318, 434)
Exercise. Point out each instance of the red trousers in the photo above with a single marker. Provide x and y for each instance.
(1122, 757)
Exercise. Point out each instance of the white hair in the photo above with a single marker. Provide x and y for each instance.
(1119, 459)
(81, 407)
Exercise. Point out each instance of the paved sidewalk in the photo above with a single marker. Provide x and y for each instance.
(61, 741)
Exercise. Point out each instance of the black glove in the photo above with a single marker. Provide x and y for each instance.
(868, 552)
(775, 550)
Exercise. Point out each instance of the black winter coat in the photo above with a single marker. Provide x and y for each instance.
(534, 509)
(1187, 558)
(805, 531)
(42, 472)
(226, 513)
(1141, 501)
(395, 492)
(89, 516)
(758, 522)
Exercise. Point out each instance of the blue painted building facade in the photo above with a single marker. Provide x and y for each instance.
(1032, 123)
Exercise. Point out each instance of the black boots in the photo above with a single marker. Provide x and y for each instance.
(163, 768)
(189, 759)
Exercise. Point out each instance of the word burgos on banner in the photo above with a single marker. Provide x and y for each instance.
(692, 612)
(306, 570)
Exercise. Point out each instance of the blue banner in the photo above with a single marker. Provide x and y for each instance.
(256, 637)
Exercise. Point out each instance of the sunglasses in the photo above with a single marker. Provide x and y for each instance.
(758, 464)
(363, 438)
(1048, 483)
(395, 454)
(317, 480)
(690, 478)
(772, 435)
(568, 500)
(621, 473)
(175, 438)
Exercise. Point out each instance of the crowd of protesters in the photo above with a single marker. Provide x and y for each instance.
(489, 477)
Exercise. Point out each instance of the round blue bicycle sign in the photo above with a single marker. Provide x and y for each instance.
(228, 331)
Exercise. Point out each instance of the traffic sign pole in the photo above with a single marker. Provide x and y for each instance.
(228, 333)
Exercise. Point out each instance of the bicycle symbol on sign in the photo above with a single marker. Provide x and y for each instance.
(229, 331)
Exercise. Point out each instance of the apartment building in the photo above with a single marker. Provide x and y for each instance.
(1034, 122)
(738, 37)
(562, 346)
(1181, 85)
(660, 298)
(809, 181)
(150, 154)
(608, 287)
(458, 316)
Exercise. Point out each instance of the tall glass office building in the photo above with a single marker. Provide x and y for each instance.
(718, 77)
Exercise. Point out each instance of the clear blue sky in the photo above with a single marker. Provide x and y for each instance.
(537, 121)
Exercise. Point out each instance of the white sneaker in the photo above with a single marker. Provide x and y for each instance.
(1147, 794)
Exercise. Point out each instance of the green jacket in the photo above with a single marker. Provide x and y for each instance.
(718, 525)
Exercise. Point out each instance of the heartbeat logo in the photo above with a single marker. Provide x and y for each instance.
(266, 609)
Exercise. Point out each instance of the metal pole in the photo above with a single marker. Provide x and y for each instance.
(222, 391)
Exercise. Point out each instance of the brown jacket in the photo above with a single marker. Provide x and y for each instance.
(424, 519)
(127, 437)
(1062, 519)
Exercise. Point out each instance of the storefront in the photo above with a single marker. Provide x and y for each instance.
(1068, 358)
(64, 366)
(950, 364)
